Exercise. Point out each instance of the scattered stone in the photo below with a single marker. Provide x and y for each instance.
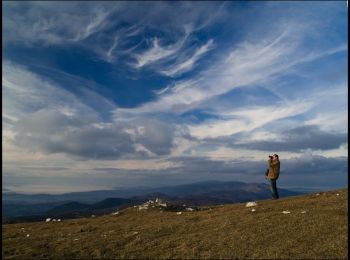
(286, 212)
(48, 219)
(189, 209)
(303, 212)
(76, 239)
(143, 207)
(251, 204)
(59, 220)
(253, 210)
(93, 216)
(337, 194)
(54, 220)
(115, 213)
(28, 235)
(317, 194)
(178, 213)
(135, 233)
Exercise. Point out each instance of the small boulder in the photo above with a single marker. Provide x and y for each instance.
(251, 204)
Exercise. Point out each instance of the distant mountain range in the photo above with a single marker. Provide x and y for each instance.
(21, 207)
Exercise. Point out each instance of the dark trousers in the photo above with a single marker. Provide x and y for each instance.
(274, 188)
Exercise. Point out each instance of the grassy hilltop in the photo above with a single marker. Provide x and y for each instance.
(229, 231)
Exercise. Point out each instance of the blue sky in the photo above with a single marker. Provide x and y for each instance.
(98, 95)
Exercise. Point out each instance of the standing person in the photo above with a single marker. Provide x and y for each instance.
(273, 174)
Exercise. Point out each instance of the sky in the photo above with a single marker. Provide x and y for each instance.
(102, 95)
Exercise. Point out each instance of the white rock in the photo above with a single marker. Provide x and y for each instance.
(251, 204)
(54, 220)
(253, 210)
(189, 209)
(337, 194)
(178, 213)
(135, 233)
(317, 194)
(93, 216)
(27, 235)
(76, 239)
(48, 219)
(115, 213)
(286, 212)
(59, 220)
(303, 212)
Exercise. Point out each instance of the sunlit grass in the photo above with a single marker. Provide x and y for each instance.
(229, 231)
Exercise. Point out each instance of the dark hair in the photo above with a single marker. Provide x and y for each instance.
(276, 155)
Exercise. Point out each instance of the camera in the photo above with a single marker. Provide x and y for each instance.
(270, 156)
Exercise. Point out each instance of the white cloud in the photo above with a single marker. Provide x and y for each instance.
(246, 119)
(335, 121)
(55, 23)
(187, 64)
(109, 53)
(157, 52)
(96, 24)
(25, 93)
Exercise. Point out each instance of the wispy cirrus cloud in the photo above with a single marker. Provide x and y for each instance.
(109, 29)
(244, 120)
(186, 64)
(54, 23)
(157, 52)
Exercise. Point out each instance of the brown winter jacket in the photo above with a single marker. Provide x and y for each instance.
(274, 169)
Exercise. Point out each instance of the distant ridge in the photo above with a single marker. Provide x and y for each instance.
(196, 194)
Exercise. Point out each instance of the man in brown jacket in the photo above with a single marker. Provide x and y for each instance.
(273, 173)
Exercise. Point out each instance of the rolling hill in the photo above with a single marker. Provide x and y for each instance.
(195, 194)
(314, 226)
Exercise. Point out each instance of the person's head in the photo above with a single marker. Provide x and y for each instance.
(275, 156)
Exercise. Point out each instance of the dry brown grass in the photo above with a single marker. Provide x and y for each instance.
(225, 232)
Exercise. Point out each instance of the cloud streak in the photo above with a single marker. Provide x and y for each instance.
(182, 66)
